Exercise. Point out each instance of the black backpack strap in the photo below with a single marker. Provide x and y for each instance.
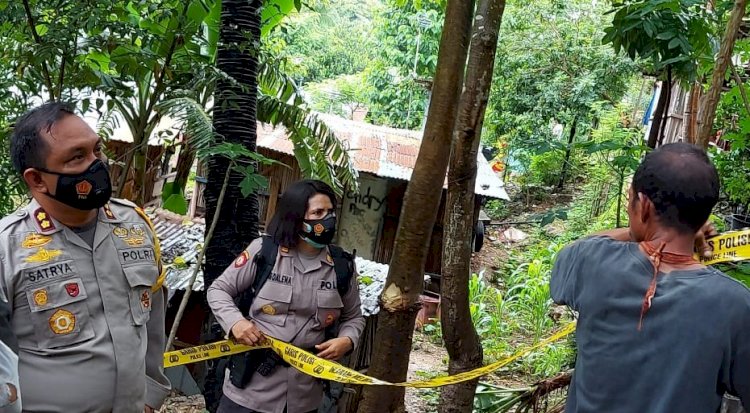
(264, 262)
(343, 264)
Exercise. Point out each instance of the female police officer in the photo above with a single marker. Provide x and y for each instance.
(297, 302)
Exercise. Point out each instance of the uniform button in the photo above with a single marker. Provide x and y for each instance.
(21, 213)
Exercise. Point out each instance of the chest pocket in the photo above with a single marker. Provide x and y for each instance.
(140, 279)
(60, 314)
(329, 307)
(272, 303)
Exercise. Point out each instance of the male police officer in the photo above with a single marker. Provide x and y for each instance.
(82, 275)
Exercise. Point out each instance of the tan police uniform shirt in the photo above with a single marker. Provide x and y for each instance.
(89, 321)
(293, 299)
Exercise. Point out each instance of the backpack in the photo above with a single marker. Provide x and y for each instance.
(242, 366)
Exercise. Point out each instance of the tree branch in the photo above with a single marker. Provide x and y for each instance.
(740, 85)
(38, 40)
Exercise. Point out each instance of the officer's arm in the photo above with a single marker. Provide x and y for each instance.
(237, 278)
(739, 373)
(157, 384)
(351, 322)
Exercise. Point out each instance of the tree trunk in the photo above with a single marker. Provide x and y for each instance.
(461, 339)
(711, 100)
(568, 151)
(691, 114)
(234, 121)
(184, 164)
(653, 133)
(399, 301)
(665, 116)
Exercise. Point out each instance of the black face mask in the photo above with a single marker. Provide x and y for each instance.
(319, 232)
(90, 189)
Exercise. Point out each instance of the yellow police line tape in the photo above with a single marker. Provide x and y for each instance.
(731, 246)
(727, 247)
(328, 370)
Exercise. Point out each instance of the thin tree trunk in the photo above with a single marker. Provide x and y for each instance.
(665, 116)
(653, 134)
(235, 120)
(399, 301)
(691, 114)
(568, 151)
(460, 337)
(194, 275)
(184, 164)
(741, 87)
(711, 100)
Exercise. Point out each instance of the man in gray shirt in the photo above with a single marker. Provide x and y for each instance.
(657, 331)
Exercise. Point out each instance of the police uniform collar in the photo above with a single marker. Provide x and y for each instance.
(324, 258)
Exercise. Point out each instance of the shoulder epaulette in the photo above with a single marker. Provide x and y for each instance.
(124, 202)
(11, 219)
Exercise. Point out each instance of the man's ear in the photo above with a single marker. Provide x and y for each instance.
(645, 207)
(34, 181)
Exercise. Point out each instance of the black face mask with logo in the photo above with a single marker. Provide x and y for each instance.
(90, 189)
(319, 232)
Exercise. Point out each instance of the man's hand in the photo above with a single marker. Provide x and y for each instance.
(148, 409)
(701, 245)
(245, 332)
(335, 348)
(13, 393)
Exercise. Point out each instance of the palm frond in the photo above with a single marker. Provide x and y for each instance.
(320, 154)
(272, 81)
(198, 126)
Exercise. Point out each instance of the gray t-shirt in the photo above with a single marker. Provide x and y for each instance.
(87, 232)
(694, 345)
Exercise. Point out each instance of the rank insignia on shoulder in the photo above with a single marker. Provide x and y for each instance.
(108, 212)
(146, 300)
(43, 255)
(242, 260)
(285, 250)
(329, 259)
(62, 322)
(35, 240)
(120, 232)
(268, 309)
(43, 220)
(40, 297)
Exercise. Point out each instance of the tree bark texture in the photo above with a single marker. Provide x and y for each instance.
(665, 115)
(711, 100)
(235, 113)
(568, 152)
(399, 301)
(460, 337)
(691, 114)
(653, 133)
(234, 121)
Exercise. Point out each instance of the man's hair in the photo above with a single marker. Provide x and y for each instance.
(681, 182)
(27, 148)
(290, 213)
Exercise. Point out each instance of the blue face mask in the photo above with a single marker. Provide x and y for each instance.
(319, 232)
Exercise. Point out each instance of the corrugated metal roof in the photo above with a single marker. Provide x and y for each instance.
(181, 243)
(381, 151)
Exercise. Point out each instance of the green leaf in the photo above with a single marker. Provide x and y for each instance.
(41, 29)
(176, 203)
